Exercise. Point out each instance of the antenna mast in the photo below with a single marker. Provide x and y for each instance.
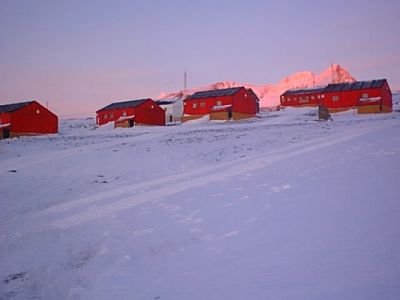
(185, 80)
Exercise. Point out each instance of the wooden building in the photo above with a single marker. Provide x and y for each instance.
(302, 97)
(371, 96)
(223, 104)
(26, 118)
(131, 113)
(173, 108)
(366, 96)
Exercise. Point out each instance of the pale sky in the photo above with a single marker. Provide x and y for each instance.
(79, 55)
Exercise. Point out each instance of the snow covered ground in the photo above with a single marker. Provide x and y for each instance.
(277, 207)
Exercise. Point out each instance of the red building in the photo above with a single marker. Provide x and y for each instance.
(131, 113)
(367, 96)
(302, 97)
(26, 118)
(224, 104)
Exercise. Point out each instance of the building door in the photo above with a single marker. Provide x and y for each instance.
(6, 133)
(230, 113)
(131, 123)
(170, 118)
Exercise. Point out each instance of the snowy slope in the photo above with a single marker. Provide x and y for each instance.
(269, 93)
(278, 207)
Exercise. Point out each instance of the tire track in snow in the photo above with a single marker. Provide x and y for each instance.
(171, 179)
(236, 168)
(37, 159)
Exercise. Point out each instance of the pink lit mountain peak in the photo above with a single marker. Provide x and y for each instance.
(269, 93)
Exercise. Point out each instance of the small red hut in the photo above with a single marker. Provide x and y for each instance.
(131, 113)
(367, 96)
(223, 104)
(26, 118)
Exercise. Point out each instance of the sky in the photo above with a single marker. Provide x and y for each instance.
(77, 56)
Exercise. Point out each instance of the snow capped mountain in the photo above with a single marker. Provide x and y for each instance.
(269, 93)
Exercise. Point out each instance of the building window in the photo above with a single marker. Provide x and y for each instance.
(111, 116)
(319, 96)
(105, 117)
(335, 98)
(124, 113)
(365, 95)
(322, 96)
(38, 111)
(288, 99)
(203, 104)
(312, 97)
(152, 106)
(219, 103)
(194, 105)
(295, 99)
(245, 95)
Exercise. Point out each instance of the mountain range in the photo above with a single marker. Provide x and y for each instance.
(269, 93)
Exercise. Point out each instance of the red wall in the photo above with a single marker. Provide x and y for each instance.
(349, 99)
(33, 118)
(244, 102)
(208, 102)
(295, 99)
(113, 115)
(240, 104)
(387, 96)
(148, 112)
(5, 118)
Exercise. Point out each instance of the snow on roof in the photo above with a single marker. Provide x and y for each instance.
(371, 99)
(221, 107)
(4, 125)
(125, 118)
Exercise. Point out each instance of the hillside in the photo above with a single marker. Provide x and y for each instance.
(277, 207)
(269, 93)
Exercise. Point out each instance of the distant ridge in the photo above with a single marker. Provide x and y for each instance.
(269, 93)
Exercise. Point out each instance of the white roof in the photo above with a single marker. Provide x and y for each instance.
(125, 118)
(372, 99)
(221, 107)
(5, 125)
